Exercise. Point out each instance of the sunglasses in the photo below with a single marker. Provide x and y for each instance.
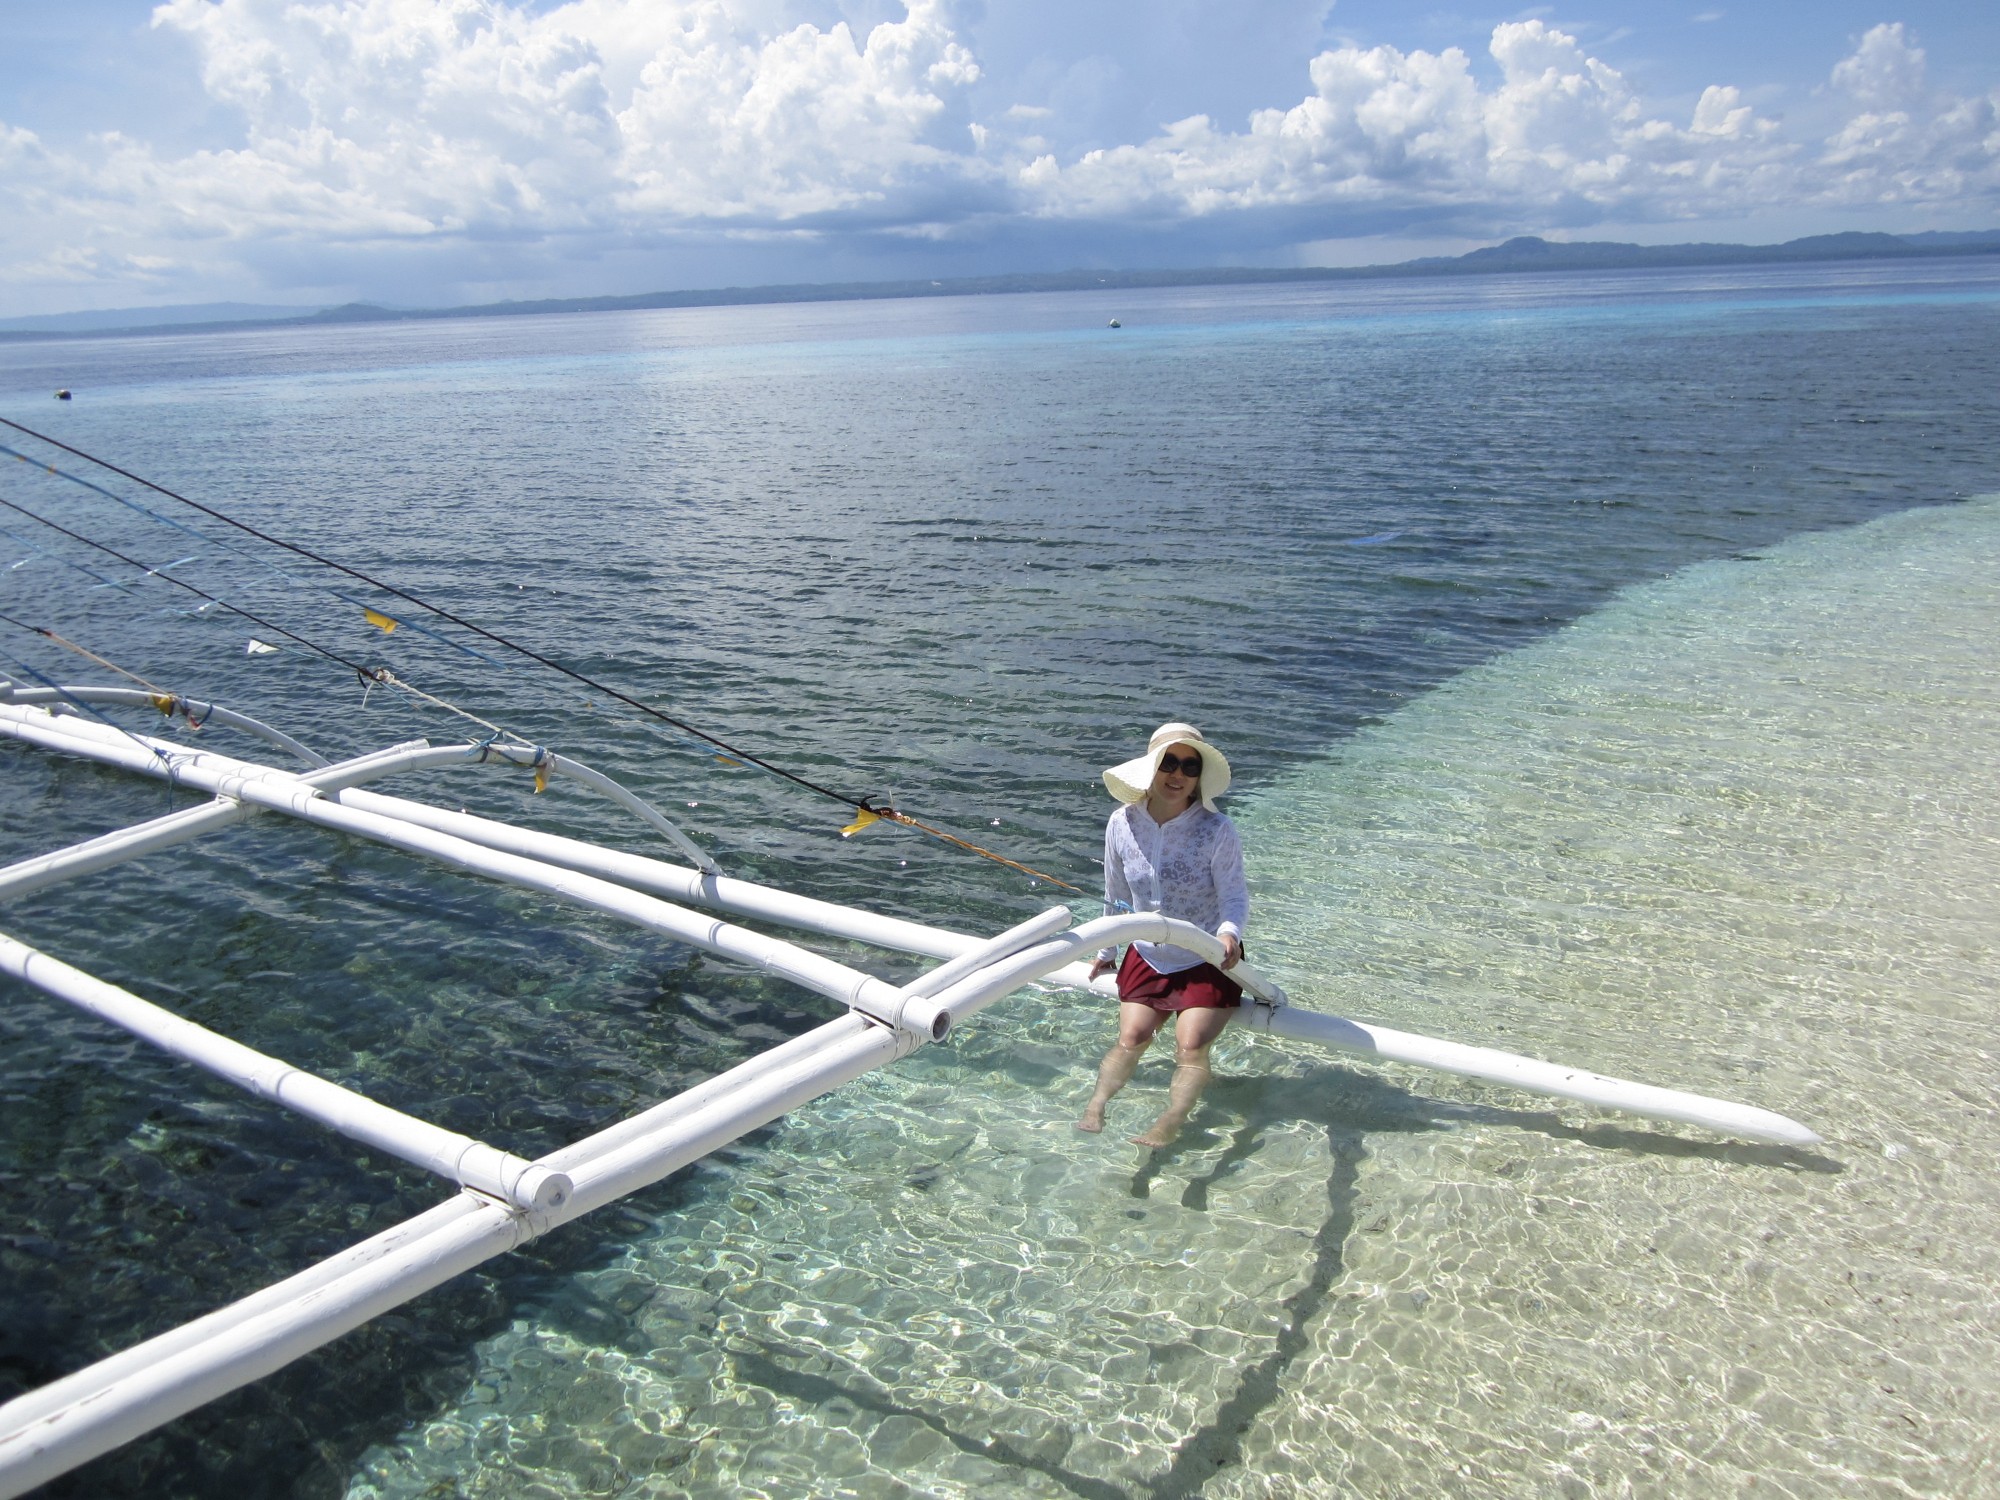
(1170, 763)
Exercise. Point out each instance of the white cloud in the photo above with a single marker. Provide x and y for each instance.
(388, 124)
(498, 132)
(1561, 138)
(458, 115)
(1908, 144)
(1885, 70)
(1416, 129)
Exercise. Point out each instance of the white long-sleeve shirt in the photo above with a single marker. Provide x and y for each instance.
(1190, 867)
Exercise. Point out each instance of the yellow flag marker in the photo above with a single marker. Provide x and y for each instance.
(861, 821)
(728, 762)
(541, 778)
(380, 621)
(164, 702)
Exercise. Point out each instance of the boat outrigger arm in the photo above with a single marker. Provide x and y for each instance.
(503, 1200)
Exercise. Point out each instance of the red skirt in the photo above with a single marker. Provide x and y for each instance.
(1204, 987)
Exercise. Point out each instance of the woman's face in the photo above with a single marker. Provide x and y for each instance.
(1173, 779)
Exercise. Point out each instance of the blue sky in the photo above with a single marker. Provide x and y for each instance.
(432, 151)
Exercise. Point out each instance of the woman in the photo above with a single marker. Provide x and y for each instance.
(1168, 850)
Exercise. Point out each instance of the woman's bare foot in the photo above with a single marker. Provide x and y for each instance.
(1112, 1075)
(1190, 1078)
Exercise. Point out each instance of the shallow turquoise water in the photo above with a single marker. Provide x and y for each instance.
(1735, 831)
(1547, 737)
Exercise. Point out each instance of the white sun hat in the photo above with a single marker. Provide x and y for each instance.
(1132, 780)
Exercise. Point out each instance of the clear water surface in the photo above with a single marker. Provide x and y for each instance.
(1606, 661)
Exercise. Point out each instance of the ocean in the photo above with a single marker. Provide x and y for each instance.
(1606, 665)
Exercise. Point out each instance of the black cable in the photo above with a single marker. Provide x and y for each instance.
(366, 673)
(860, 805)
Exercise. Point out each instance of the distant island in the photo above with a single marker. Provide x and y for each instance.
(1525, 255)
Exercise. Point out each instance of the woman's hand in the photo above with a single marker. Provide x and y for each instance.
(1232, 950)
(1102, 966)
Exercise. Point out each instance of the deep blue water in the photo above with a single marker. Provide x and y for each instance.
(966, 552)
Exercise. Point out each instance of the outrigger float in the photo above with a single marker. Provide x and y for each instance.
(503, 1200)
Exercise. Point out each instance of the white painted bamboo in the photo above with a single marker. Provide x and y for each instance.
(1742, 1121)
(153, 1385)
(56, 699)
(203, 714)
(116, 848)
(1474, 1062)
(85, 1384)
(977, 991)
(638, 806)
(24, 1411)
(1042, 925)
(166, 832)
(639, 872)
(280, 792)
(460, 1158)
(773, 1059)
(770, 1092)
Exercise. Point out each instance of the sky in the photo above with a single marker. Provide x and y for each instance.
(435, 152)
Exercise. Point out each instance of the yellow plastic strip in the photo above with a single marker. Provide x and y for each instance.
(862, 819)
(380, 621)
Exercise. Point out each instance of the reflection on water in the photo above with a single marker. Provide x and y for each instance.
(1737, 832)
(965, 550)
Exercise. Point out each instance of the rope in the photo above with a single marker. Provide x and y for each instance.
(157, 691)
(858, 804)
(384, 675)
(369, 676)
(84, 708)
(891, 815)
(248, 556)
(181, 583)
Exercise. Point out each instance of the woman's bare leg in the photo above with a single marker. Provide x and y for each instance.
(1194, 1032)
(1136, 1026)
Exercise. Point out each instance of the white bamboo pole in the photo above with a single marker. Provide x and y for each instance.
(140, 839)
(18, 1415)
(1474, 1062)
(638, 806)
(116, 848)
(203, 713)
(460, 1158)
(153, 1385)
(975, 992)
(1743, 1121)
(86, 1383)
(1042, 925)
(640, 872)
(50, 1431)
(281, 792)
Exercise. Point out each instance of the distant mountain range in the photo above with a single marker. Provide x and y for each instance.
(130, 319)
(1525, 255)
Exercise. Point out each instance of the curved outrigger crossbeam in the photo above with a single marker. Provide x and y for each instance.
(199, 715)
(503, 1200)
